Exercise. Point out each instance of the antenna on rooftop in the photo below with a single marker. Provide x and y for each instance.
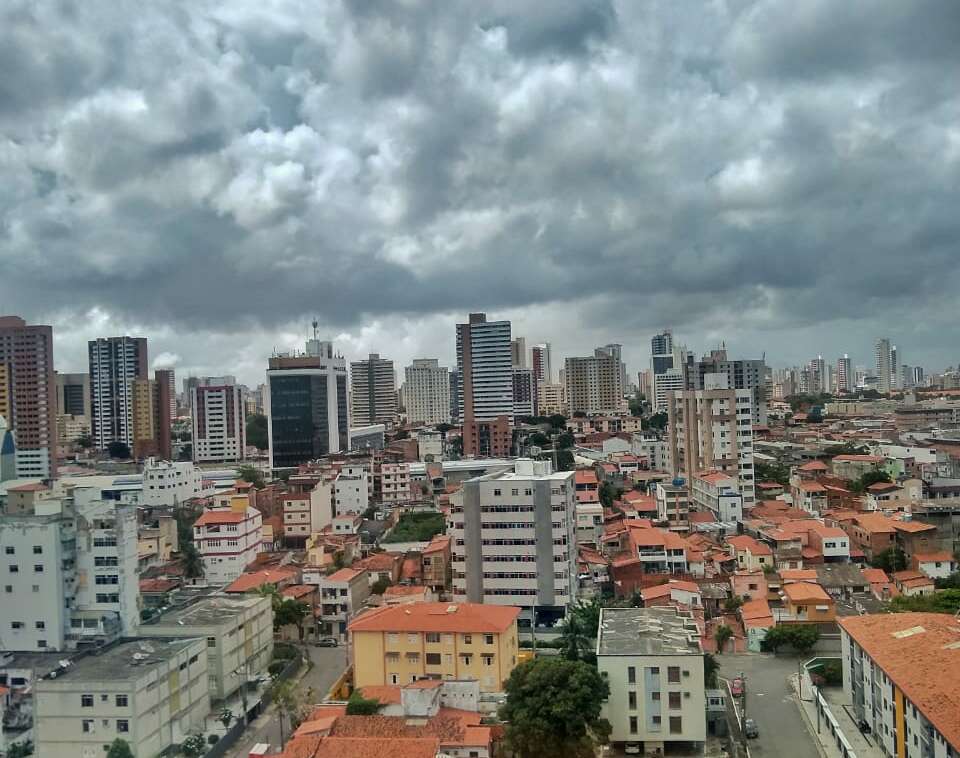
(315, 324)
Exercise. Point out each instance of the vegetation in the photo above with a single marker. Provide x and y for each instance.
(657, 421)
(84, 441)
(890, 560)
(942, 601)
(579, 631)
(194, 746)
(380, 586)
(553, 709)
(290, 706)
(192, 562)
(732, 604)
(257, 431)
(710, 669)
(951, 582)
(637, 405)
(251, 474)
(829, 673)
(539, 439)
(225, 717)
(871, 477)
(609, 493)
(565, 461)
(119, 749)
(286, 610)
(722, 635)
(416, 527)
(564, 441)
(801, 637)
(848, 448)
(772, 472)
(358, 705)
(119, 451)
(805, 401)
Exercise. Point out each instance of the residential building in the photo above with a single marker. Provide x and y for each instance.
(900, 674)
(594, 384)
(228, 539)
(395, 483)
(238, 631)
(115, 363)
(367, 438)
(541, 363)
(351, 490)
(518, 352)
(551, 399)
(885, 373)
(430, 445)
(455, 389)
(28, 400)
(435, 561)
(308, 416)
(373, 390)
(806, 602)
(711, 429)
(749, 553)
(70, 569)
(219, 421)
(113, 694)
(342, 596)
(514, 539)
(741, 375)
(427, 392)
(673, 506)
(524, 393)
(485, 391)
(307, 513)
(655, 449)
(652, 660)
(150, 408)
(845, 376)
(717, 493)
(170, 484)
(73, 394)
(666, 368)
(665, 385)
(615, 351)
(399, 644)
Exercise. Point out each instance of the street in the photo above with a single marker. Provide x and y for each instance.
(770, 702)
(328, 664)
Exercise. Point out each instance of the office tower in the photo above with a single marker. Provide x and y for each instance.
(513, 539)
(373, 388)
(918, 378)
(486, 386)
(551, 399)
(219, 423)
(427, 392)
(884, 368)
(71, 569)
(711, 430)
(524, 393)
(615, 351)
(308, 416)
(818, 379)
(28, 399)
(73, 394)
(454, 396)
(845, 375)
(745, 375)
(171, 378)
(667, 372)
(518, 352)
(662, 345)
(861, 376)
(115, 362)
(541, 362)
(894, 368)
(592, 384)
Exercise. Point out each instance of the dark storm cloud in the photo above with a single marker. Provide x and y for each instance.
(218, 168)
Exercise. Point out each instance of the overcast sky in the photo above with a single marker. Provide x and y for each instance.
(781, 175)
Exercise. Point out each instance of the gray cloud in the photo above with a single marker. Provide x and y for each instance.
(215, 173)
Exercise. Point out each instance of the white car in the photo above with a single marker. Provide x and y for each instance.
(632, 748)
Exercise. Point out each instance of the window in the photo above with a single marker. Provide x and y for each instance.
(676, 725)
(655, 720)
(633, 725)
(38, 550)
(121, 701)
(488, 639)
(9, 550)
(468, 639)
(14, 568)
(37, 568)
(631, 675)
(16, 625)
(433, 659)
(674, 698)
(632, 700)
(8, 588)
(87, 726)
(211, 641)
(413, 657)
(496, 493)
(487, 660)
(433, 637)
(40, 625)
(654, 670)
(86, 701)
(412, 638)
(655, 696)
(466, 659)
(673, 674)
(123, 725)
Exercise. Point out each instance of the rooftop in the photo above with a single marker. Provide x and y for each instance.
(208, 611)
(124, 661)
(254, 579)
(437, 617)
(647, 631)
(806, 591)
(343, 575)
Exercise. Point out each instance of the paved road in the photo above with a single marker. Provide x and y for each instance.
(783, 733)
(328, 664)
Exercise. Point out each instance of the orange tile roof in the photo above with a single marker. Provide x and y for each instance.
(665, 590)
(411, 569)
(745, 542)
(298, 590)
(874, 575)
(714, 477)
(813, 466)
(34, 487)
(437, 544)
(372, 747)
(437, 617)
(803, 591)
(399, 590)
(585, 476)
(220, 517)
(344, 575)
(588, 496)
(378, 562)
(924, 664)
(798, 575)
(386, 694)
(811, 487)
(860, 458)
(254, 579)
(944, 556)
(701, 517)
(754, 610)
(911, 526)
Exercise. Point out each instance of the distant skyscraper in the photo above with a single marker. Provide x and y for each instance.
(884, 366)
(151, 416)
(486, 386)
(662, 344)
(518, 352)
(844, 374)
(73, 394)
(895, 375)
(592, 384)
(454, 396)
(219, 424)
(171, 378)
(541, 362)
(741, 375)
(308, 416)
(28, 399)
(427, 392)
(818, 375)
(373, 386)
(666, 372)
(615, 351)
(115, 362)
(524, 393)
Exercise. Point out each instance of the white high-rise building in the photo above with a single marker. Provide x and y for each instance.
(427, 392)
(219, 422)
(168, 484)
(845, 377)
(513, 539)
(115, 364)
(884, 366)
(485, 390)
(373, 390)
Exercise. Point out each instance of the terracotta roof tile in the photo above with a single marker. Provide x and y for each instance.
(437, 617)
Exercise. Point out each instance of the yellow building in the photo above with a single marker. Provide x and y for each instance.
(403, 643)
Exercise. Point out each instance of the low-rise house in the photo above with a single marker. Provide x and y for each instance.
(250, 581)
(673, 506)
(938, 565)
(401, 594)
(842, 580)
(749, 584)
(436, 564)
(342, 595)
(380, 567)
(749, 553)
(911, 583)
(757, 618)
(881, 586)
(589, 523)
(807, 602)
(809, 496)
(717, 493)
(853, 467)
(673, 592)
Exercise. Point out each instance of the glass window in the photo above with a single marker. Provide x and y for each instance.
(673, 674)
(676, 725)
(631, 675)
(86, 701)
(633, 725)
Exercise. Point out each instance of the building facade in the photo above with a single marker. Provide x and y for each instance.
(427, 392)
(551, 399)
(373, 389)
(219, 421)
(228, 539)
(524, 393)
(741, 375)
(594, 384)
(485, 391)
(541, 362)
(115, 363)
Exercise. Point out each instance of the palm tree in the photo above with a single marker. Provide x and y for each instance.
(721, 635)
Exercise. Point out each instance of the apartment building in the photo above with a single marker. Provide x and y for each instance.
(219, 421)
(395, 483)
(673, 506)
(712, 429)
(152, 693)
(653, 662)
(69, 569)
(115, 363)
(399, 644)
(228, 539)
(427, 392)
(524, 393)
(485, 386)
(541, 363)
(28, 398)
(514, 539)
(238, 630)
(900, 674)
(749, 553)
(373, 391)
(150, 417)
(741, 375)
(594, 384)
(551, 399)
(717, 493)
(169, 484)
(342, 595)
(351, 490)
(307, 512)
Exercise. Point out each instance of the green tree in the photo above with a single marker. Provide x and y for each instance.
(194, 746)
(401, 434)
(443, 428)
(658, 420)
(608, 493)
(251, 474)
(419, 526)
(21, 750)
(225, 717)
(358, 705)
(118, 450)
(951, 582)
(772, 472)
(257, 431)
(564, 441)
(380, 586)
(557, 421)
(803, 637)
(539, 439)
(732, 604)
(84, 441)
(192, 562)
(776, 637)
(553, 709)
(942, 601)
(119, 749)
(871, 477)
(721, 635)
(578, 631)
(291, 611)
(710, 669)
(565, 461)
(890, 560)
(289, 706)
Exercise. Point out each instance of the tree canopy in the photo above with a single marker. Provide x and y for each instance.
(358, 705)
(119, 749)
(942, 601)
(118, 450)
(251, 474)
(419, 526)
(801, 637)
(764, 471)
(257, 431)
(658, 420)
(890, 560)
(553, 709)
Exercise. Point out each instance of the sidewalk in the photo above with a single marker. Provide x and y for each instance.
(828, 743)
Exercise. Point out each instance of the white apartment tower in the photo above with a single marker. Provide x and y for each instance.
(373, 387)
(115, 363)
(228, 539)
(427, 392)
(219, 422)
(513, 539)
(884, 365)
(844, 374)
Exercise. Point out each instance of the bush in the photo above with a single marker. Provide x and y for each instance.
(212, 739)
(358, 705)
(284, 651)
(276, 667)
(417, 527)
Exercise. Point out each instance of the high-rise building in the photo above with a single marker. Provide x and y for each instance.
(170, 377)
(551, 399)
(219, 425)
(518, 352)
(427, 392)
(918, 378)
(711, 430)
(741, 375)
(593, 384)
(524, 393)
(486, 386)
(541, 362)
(666, 371)
(884, 367)
(845, 377)
(615, 351)
(373, 389)
(308, 415)
(28, 399)
(73, 394)
(818, 375)
(513, 539)
(454, 396)
(150, 413)
(115, 362)
(894, 368)
(661, 345)
(228, 539)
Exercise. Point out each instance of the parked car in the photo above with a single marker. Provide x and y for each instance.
(750, 730)
(736, 687)
(327, 642)
(632, 748)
